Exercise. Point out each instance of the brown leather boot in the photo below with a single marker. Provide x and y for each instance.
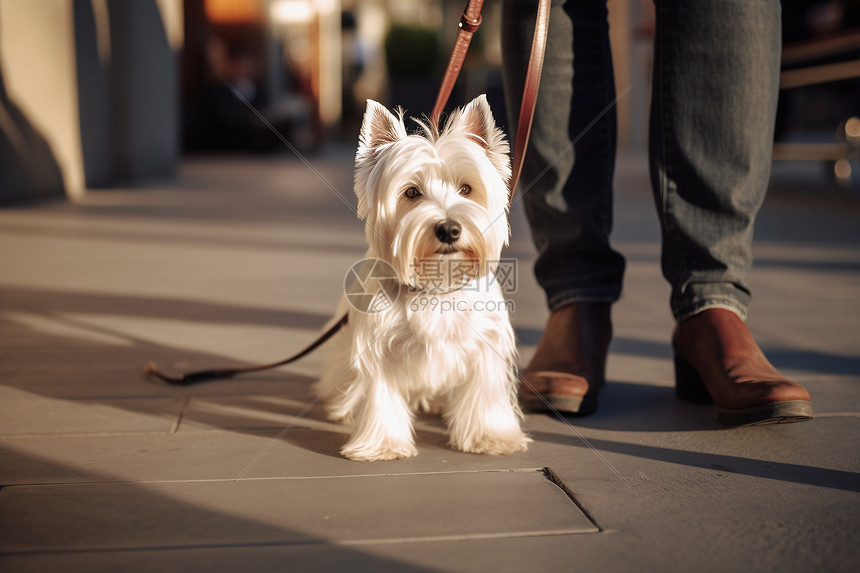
(717, 360)
(567, 369)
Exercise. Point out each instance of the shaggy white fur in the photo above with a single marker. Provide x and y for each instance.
(445, 343)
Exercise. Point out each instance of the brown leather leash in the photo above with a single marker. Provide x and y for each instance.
(220, 373)
(470, 21)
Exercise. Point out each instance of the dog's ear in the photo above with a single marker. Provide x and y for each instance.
(379, 127)
(478, 124)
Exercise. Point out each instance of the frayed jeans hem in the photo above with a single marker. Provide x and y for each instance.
(566, 298)
(694, 308)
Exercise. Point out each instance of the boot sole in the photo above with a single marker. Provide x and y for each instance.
(566, 404)
(690, 387)
(775, 413)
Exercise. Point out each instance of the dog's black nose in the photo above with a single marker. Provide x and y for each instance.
(447, 231)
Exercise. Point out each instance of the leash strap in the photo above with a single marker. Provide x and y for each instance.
(530, 93)
(469, 23)
(201, 375)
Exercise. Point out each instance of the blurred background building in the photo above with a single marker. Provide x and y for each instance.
(101, 93)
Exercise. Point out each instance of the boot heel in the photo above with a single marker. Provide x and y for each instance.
(689, 385)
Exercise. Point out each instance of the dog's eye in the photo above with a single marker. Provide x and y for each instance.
(465, 189)
(412, 193)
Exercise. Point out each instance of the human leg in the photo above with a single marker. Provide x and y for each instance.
(715, 86)
(566, 187)
(566, 183)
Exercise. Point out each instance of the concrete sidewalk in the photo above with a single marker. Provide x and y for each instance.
(242, 260)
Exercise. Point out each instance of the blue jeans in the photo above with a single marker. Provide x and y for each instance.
(713, 106)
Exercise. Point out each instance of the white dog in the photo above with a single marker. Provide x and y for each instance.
(435, 334)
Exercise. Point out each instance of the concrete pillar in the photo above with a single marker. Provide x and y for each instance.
(145, 92)
(92, 46)
(89, 94)
(40, 150)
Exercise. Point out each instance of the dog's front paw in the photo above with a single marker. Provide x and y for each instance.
(362, 452)
(495, 444)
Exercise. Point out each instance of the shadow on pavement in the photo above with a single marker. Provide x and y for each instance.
(53, 301)
(631, 407)
(355, 245)
(98, 522)
(796, 473)
(53, 365)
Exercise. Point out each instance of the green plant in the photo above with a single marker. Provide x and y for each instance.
(411, 51)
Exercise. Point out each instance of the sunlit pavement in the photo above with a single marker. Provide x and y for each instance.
(241, 261)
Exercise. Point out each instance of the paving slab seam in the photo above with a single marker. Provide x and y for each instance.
(87, 435)
(250, 430)
(467, 537)
(310, 542)
(553, 477)
(301, 415)
(558, 415)
(182, 414)
(594, 450)
(542, 470)
(116, 398)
